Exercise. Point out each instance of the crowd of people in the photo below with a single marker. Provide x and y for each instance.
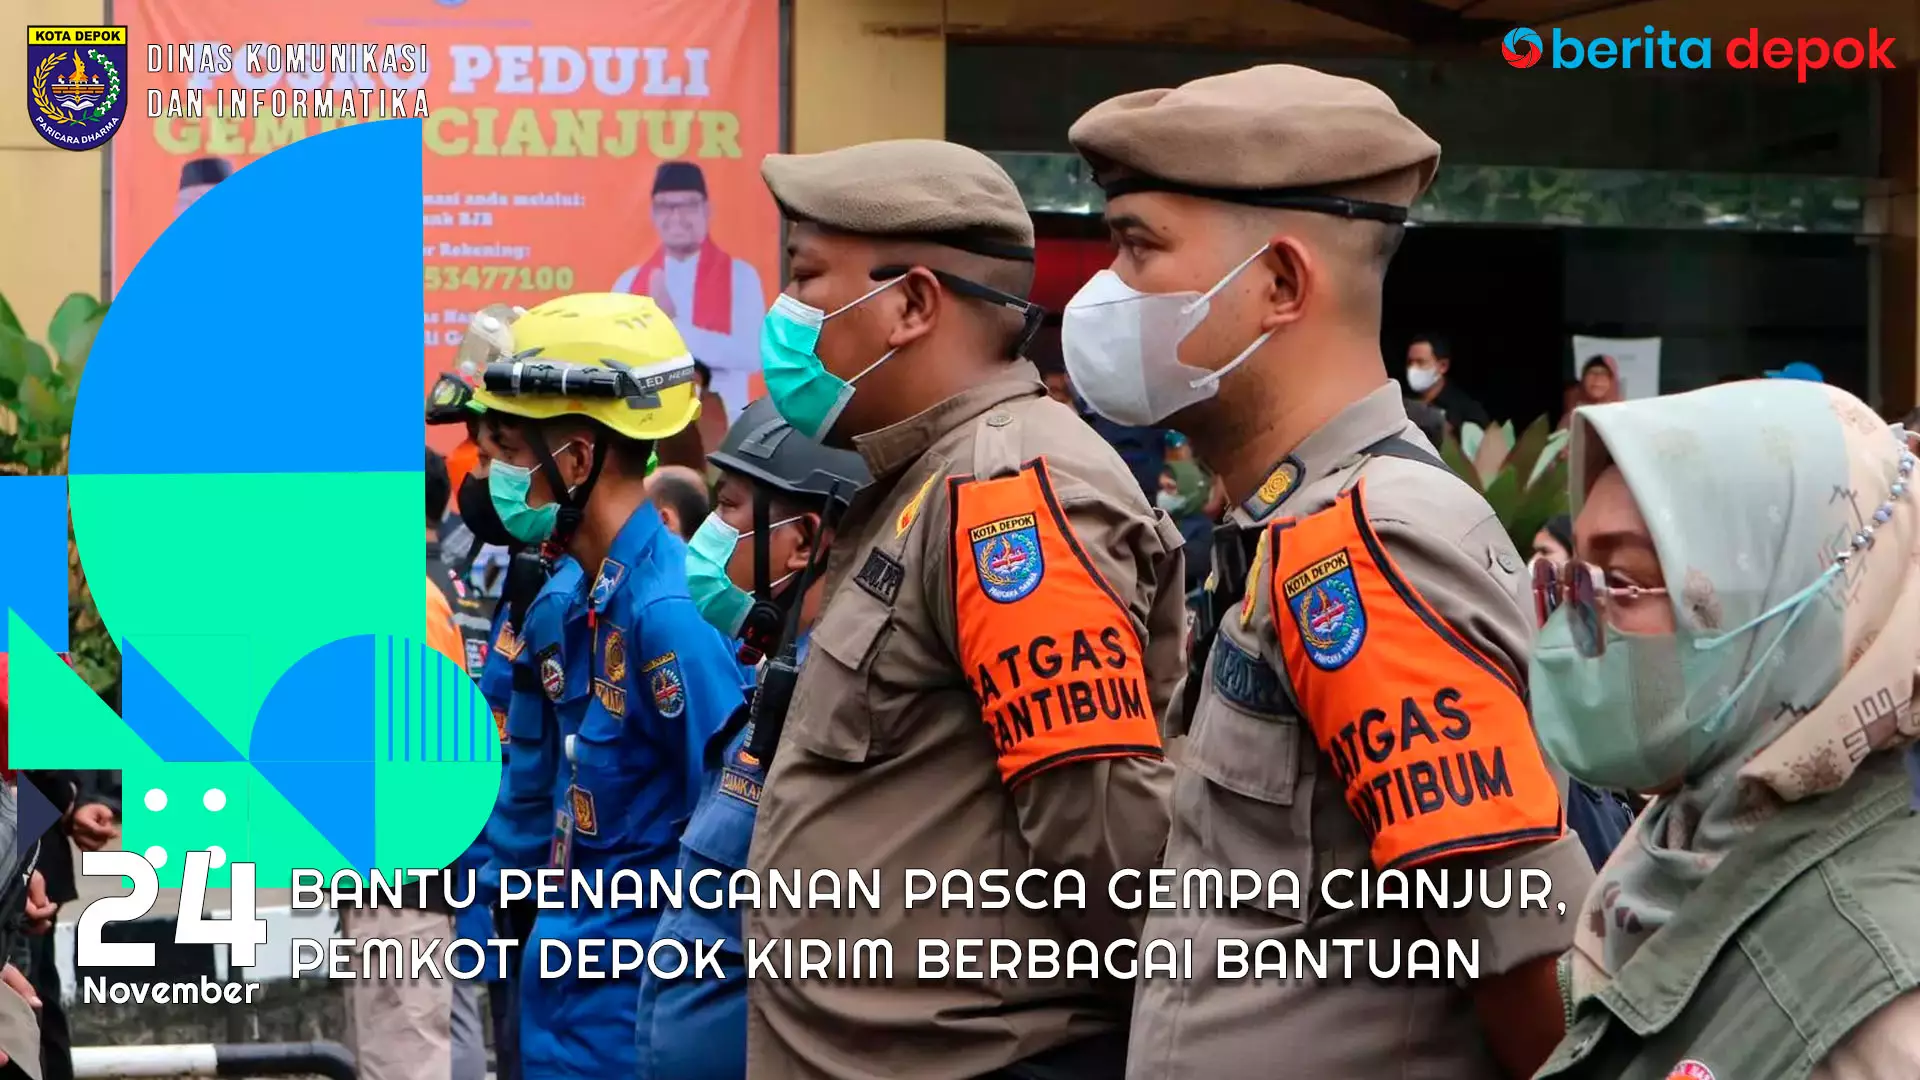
(1206, 597)
(926, 606)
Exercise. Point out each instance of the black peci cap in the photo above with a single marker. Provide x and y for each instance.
(679, 176)
(204, 172)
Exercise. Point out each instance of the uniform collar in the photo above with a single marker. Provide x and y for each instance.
(629, 549)
(893, 448)
(1331, 447)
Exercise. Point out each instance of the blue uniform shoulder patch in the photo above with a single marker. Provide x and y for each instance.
(1246, 680)
(611, 575)
(1325, 602)
(553, 674)
(1006, 556)
(668, 686)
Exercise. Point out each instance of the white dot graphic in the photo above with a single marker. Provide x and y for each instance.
(217, 857)
(156, 800)
(215, 799)
(157, 855)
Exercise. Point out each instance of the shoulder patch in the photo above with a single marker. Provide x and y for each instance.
(668, 688)
(911, 511)
(1273, 491)
(881, 576)
(500, 721)
(1690, 1069)
(1006, 556)
(611, 574)
(1246, 680)
(613, 656)
(507, 644)
(1253, 577)
(612, 697)
(553, 674)
(1326, 608)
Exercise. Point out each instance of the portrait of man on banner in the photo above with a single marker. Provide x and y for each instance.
(715, 300)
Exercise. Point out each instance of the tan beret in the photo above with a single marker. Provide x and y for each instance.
(1273, 127)
(906, 187)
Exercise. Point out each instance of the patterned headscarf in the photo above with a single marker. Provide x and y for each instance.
(1750, 491)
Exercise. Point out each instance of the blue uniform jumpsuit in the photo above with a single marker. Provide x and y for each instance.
(658, 681)
(696, 1029)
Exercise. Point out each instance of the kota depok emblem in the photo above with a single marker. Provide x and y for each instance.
(1325, 602)
(1006, 557)
(76, 94)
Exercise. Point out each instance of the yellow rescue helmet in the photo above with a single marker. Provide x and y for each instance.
(609, 357)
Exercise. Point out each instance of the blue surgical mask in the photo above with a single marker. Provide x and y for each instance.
(1651, 709)
(807, 395)
(722, 603)
(508, 485)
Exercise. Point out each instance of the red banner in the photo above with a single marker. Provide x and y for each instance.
(568, 147)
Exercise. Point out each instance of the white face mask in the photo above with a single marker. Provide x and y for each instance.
(1122, 348)
(1421, 379)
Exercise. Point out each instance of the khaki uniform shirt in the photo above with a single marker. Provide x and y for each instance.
(1001, 635)
(1364, 708)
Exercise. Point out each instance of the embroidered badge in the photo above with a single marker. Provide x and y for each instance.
(1006, 557)
(584, 818)
(613, 657)
(881, 576)
(669, 690)
(912, 510)
(1274, 490)
(1253, 578)
(500, 721)
(1246, 680)
(612, 698)
(611, 574)
(740, 786)
(507, 644)
(1690, 1070)
(1325, 601)
(553, 675)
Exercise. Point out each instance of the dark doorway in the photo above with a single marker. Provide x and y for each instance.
(1495, 294)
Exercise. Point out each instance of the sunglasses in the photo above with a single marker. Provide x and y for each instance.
(1582, 588)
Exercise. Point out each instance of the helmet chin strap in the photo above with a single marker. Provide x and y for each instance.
(765, 623)
(573, 501)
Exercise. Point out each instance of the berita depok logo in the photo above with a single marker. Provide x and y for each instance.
(76, 88)
(1521, 47)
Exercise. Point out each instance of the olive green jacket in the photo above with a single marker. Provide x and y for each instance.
(1799, 935)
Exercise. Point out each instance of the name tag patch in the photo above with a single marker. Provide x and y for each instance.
(739, 785)
(881, 576)
(1246, 680)
(612, 698)
(1325, 602)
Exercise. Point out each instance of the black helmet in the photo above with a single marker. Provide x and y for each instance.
(765, 448)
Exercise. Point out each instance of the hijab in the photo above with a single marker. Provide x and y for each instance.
(1750, 491)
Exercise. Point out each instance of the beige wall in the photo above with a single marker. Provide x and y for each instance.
(866, 70)
(49, 198)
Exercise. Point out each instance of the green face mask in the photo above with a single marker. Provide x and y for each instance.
(508, 486)
(1651, 709)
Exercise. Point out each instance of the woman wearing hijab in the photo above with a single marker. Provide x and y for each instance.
(1738, 635)
(1599, 385)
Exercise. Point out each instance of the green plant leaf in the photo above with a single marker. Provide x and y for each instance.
(1543, 499)
(1549, 454)
(43, 408)
(1470, 436)
(1456, 460)
(78, 346)
(1503, 494)
(74, 313)
(8, 320)
(1527, 449)
(13, 359)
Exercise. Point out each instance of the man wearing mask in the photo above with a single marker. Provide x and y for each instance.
(1002, 629)
(1369, 632)
(1429, 360)
(632, 682)
(755, 572)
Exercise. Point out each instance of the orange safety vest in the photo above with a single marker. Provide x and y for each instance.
(1431, 739)
(442, 637)
(1050, 651)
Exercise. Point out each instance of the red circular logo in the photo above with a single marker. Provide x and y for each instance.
(1521, 47)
